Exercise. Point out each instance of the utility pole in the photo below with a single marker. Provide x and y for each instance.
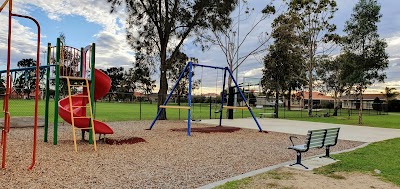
(237, 55)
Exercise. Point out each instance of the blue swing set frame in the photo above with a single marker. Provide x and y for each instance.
(190, 65)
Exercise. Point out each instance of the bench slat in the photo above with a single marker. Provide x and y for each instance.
(330, 141)
(331, 137)
(317, 130)
(318, 142)
(319, 135)
(331, 134)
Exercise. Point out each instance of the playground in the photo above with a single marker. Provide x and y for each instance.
(167, 159)
(192, 152)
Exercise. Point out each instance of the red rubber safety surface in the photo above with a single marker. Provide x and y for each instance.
(131, 140)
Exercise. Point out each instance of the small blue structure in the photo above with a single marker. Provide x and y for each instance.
(189, 66)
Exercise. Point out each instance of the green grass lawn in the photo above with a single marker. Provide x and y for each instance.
(114, 111)
(383, 156)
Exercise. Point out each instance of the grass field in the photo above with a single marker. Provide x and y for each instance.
(114, 111)
(382, 156)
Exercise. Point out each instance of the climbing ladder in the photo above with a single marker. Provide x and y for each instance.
(84, 83)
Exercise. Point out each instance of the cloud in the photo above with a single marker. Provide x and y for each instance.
(112, 48)
(92, 10)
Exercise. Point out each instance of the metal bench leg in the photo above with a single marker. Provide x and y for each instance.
(327, 154)
(298, 161)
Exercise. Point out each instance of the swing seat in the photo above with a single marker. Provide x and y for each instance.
(175, 107)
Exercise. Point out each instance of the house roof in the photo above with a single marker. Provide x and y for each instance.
(138, 94)
(315, 95)
(365, 97)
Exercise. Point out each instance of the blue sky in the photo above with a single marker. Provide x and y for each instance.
(85, 22)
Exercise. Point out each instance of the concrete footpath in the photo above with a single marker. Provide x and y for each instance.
(347, 132)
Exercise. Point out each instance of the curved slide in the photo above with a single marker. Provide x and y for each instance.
(102, 86)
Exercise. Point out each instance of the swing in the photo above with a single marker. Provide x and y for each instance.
(190, 66)
(201, 95)
(175, 107)
(217, 108)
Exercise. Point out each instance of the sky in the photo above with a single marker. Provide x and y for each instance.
(90, 21)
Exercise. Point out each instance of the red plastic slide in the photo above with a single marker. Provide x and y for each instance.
(102, 86)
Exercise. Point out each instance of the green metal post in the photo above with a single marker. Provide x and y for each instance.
(57, 93)
(46, 113)
(92, 88)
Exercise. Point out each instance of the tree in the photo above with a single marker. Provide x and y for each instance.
(140, 75)
(334, 73)
(2, 86)
(25, 82)
(390, 93)
(284, 55)
(229, 39)
(155, 27)
(367, 49)
(117, 76)
(315, 30)
(174, 71)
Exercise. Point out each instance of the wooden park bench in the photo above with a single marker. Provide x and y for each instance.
(316, 139)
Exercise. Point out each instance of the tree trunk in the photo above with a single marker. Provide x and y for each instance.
(179, 99)
(276, 111)
(335, 104)
(310, 83)
(361, 108)
(162, 93)
(289, 99)
(310, 100)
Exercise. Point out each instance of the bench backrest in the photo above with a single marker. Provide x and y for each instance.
(332, 135)
(315, 138)
(322, 137)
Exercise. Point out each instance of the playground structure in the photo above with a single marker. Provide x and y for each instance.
(77, 66)
(7, 117)
(189, 70)
(64, 62)
(66, 65)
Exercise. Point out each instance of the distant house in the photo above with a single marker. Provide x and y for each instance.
(153, 97)
(15, 95)
(138, 94)
(300, 99)
(264, 101)
(353, 101)
(211, 95)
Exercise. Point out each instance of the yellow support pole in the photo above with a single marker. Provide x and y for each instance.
(91, 115)
(71, 110)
